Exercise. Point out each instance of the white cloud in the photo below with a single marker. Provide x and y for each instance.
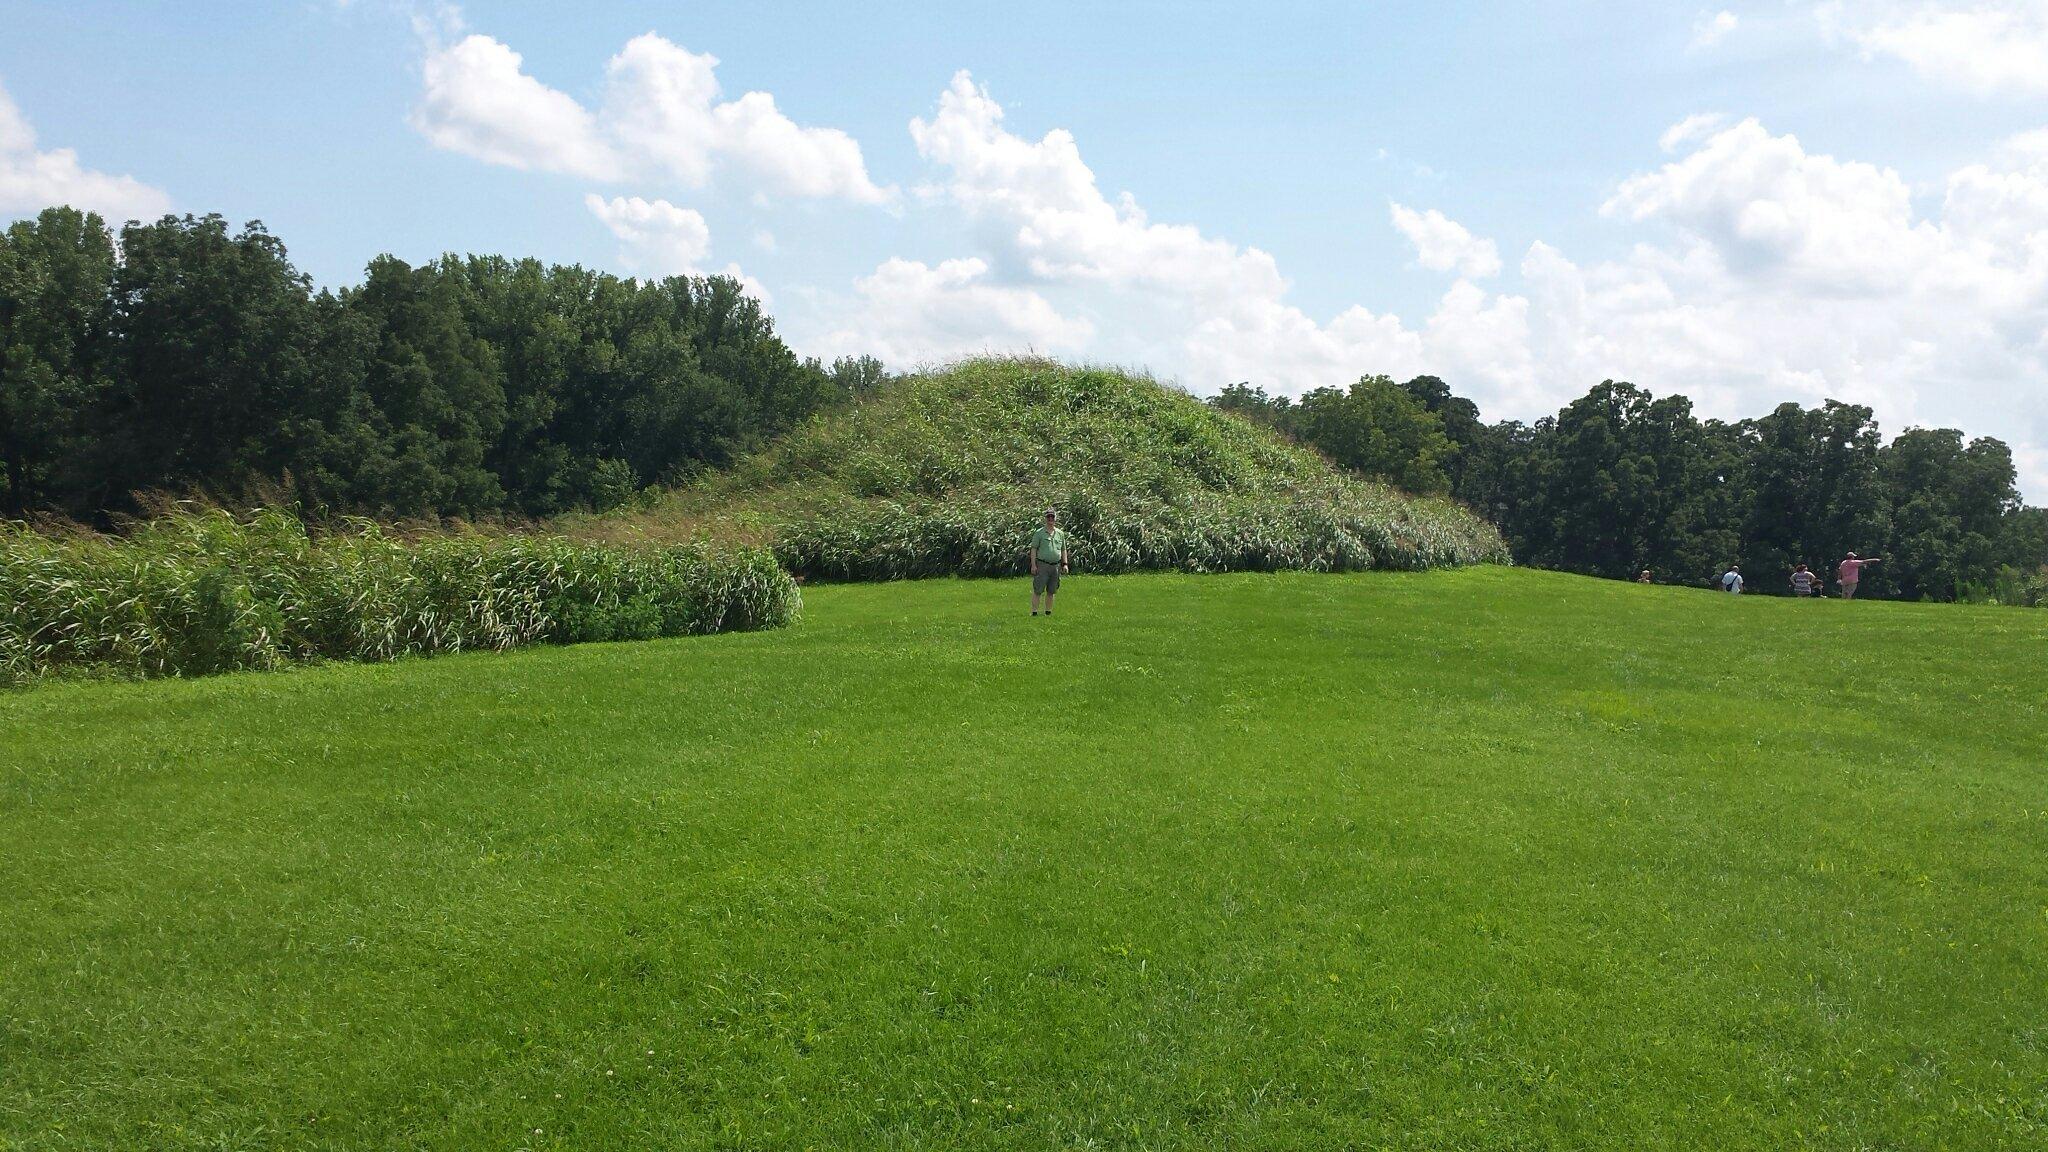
(479, 101)
(1767, 204)
(660, 119)
(2001, 207)
(1444, 245)
(1044, 201)
(1981, 45)
(32, 180)
(910, 313)
(2029, 145)
(15, 134)
(1693, 127)
(656, 238)
(795, 161)
(662, 101)
(2032, 465)
(765, 241)
(1711, 28)
(1760, 272)
(754, 288)
(1161, 294)
(658, 102)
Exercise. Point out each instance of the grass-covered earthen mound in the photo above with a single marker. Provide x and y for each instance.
(944, 473)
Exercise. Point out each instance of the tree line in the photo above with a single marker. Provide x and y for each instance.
(1621, 480)
(188, 357)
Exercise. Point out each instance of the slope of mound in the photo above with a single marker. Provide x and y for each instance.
(944, 473)
(1023, 425)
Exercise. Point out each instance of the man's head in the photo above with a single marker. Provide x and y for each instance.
(1051, 518)
(1852, 555)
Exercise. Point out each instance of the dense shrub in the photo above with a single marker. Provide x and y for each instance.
(200, 592)
(1364, 529)
(2010, 586)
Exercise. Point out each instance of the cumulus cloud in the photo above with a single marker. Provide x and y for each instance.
(15, 134)
(1097, 274)
(32, 179)
(479, 101)
(1444, 245)
(1043, 199)
(909, 312)
(1759, 271)
(661, 101)
(1686, 131)
(1982, 45)
(661, 118)
(1767, 204)
(658, 239)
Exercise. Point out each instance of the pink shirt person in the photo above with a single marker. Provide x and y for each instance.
(1849, 572)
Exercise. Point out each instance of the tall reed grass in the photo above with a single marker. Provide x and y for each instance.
(1355, 528)
(2014, 587)
(202, 591)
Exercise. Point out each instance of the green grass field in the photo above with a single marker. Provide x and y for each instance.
(1472, 859)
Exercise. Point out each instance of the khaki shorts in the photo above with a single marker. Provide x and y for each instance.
(1046, 579)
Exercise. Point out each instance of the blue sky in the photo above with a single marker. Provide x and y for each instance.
(1857, 206)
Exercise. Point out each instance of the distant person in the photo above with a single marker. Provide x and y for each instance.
(1048, 559)
(1802, 581)
(1731, 580)
(1851, 571)
(1643, 577)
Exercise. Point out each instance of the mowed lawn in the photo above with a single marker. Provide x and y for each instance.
(1477, 859)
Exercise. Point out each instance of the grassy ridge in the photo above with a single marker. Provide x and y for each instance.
(944, 474)
(203, 591)
(1484, 859)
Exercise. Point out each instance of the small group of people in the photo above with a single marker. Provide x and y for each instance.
(1805, 581)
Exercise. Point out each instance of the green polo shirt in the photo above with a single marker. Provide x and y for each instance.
(1048, 546)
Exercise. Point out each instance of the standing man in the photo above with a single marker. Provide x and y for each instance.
(1851, 571)
(1731, 580)
(1048, 560)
